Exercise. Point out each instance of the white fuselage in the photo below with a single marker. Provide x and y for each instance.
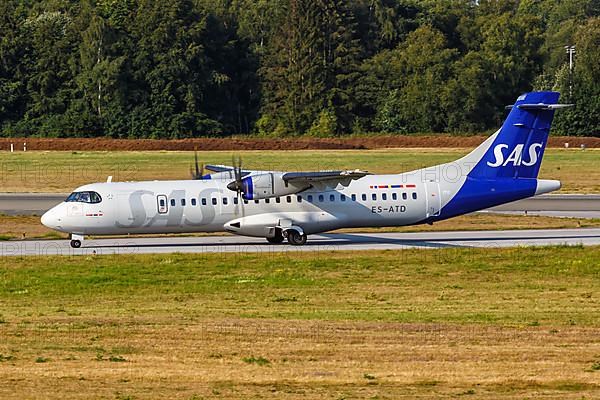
(208, 206)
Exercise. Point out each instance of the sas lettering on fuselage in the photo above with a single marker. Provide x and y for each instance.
(516, 156)
(389, 210)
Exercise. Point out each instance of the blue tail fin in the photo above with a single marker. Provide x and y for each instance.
(518, 147)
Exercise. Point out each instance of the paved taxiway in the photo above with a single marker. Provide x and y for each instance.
(323, 242)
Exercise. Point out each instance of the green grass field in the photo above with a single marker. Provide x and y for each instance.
(63, 171)
(487, 323)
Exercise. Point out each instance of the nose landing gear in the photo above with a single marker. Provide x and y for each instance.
(76, 241)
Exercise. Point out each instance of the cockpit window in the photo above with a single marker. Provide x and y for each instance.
(72, 197)
(84, 197)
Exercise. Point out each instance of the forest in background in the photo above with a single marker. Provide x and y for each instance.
(189, 68)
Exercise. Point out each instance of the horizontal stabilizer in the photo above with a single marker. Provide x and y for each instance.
(541, 106)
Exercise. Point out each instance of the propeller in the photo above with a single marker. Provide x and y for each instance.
(199, 171)
(237, 185)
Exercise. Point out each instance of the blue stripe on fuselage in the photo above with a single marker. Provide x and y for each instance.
(478, 194)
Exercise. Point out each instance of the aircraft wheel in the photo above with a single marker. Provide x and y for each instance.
(75, 244)
(296, 239)
(277, 239)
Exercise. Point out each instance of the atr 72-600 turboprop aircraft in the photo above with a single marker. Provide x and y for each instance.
(292, 205)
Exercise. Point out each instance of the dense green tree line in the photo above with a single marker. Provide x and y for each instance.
(184, 68)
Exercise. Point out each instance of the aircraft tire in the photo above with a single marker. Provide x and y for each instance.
(277, 239)
(296, 239)
(75, 244)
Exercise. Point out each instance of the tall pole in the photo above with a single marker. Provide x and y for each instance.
(570, 51)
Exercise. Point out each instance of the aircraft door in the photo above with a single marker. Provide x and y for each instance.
(433, 198)
(162, 204)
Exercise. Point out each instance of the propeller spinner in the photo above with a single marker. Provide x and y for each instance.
(237, 185)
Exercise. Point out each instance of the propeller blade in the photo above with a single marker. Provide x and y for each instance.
(237, 175)
(198, 173)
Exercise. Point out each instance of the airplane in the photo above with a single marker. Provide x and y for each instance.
(279, 205)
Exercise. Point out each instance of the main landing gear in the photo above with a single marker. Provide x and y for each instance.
(277, 239)
(294, 237)
(76, 241)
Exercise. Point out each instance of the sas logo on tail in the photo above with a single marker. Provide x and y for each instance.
(515, 158)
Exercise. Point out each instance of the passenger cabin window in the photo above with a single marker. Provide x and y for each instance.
(214, 201)
(321, 198)
(299, 198)
(162, 203)
(414, 195)
(203, 202)
(256, 201)
(172, 202)
(394, 196)
(193, 202)
(235, 200)
(343, 197)
(374, 196)
(309, 198)
(267, 201)
(245, 201)
(224, 201)
(384, 196)
(404, 197)
(277, 200)
(331, 197)
(183, 202)
(353, 197)
(364, 197)
(84, 197)
(288, 199)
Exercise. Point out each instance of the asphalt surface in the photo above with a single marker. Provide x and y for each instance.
(316, 243)
(566, 205)
(29, 203)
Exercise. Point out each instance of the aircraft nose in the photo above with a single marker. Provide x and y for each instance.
(50, 218)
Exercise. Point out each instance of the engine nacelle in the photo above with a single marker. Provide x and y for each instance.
(255, 225)
(263, 225)
(267, 185)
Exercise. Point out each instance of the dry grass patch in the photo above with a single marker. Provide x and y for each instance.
(299, 359)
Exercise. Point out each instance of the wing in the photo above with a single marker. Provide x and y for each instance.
(218, 168)
(324, 179)
(224, 172)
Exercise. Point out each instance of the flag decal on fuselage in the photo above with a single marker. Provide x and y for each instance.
(392, 186)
